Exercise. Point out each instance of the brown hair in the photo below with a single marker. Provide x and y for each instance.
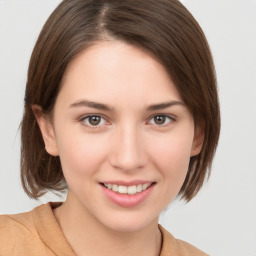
(165, 29)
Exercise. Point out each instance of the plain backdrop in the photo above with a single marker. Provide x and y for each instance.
(221, 220)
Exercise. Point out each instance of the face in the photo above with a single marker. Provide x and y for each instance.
(123, 134)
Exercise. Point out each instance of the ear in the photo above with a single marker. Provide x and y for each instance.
(198, 139)
(47, 130)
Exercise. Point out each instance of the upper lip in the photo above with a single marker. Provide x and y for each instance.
(127, 183)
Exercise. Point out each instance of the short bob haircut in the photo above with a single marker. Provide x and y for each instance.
(163, 28)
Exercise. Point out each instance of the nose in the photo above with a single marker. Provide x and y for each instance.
(128, 150)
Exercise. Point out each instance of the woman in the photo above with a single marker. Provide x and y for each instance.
(121, 109)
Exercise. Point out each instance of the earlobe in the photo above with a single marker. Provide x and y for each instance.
(198, 140)
(47, 130)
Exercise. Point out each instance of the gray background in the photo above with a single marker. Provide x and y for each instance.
(222, 219)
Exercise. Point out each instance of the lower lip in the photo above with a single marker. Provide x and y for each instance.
(126, 200)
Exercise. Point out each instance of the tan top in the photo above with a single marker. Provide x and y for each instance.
(38, 233)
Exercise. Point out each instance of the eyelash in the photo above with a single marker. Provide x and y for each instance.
(84, 118)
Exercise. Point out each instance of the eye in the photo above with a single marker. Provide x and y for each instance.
(161, 120)
(93, 121)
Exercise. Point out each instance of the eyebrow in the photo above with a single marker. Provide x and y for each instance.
(164, 105)
(101, 106)
(91, 104)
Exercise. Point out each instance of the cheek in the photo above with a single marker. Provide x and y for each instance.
(81, 154)
(171, 154)
(171, 159)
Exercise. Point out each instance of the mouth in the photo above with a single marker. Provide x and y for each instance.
(127, 194)
(128, 190)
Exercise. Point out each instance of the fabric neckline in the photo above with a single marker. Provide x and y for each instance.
(50, 231)
(53, 237)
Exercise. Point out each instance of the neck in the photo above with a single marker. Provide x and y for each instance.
(89, 237)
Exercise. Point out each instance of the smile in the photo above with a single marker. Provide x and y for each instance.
(130, 190)
(127, 194)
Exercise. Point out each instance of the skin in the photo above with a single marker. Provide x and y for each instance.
(129, 143)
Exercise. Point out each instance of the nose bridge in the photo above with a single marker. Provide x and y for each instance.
(128, 150)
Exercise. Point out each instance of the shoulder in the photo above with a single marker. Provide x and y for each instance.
(172, 246)
(15, 223)
(33, 233)
(21, 234)
(15, 227)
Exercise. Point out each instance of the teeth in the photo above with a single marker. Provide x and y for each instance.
(130, 190)
(115, 188)
(144, 186)
(139, 188)
(122, 189)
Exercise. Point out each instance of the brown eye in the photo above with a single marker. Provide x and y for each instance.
(94, 120)
(159, 119)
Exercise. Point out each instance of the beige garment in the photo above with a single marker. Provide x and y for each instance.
(37, 233)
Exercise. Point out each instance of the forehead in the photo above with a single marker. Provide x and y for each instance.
(112, 70)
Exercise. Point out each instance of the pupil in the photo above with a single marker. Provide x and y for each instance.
(159, 119)
(94, 120)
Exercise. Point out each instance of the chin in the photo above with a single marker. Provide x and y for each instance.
(129, 222)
